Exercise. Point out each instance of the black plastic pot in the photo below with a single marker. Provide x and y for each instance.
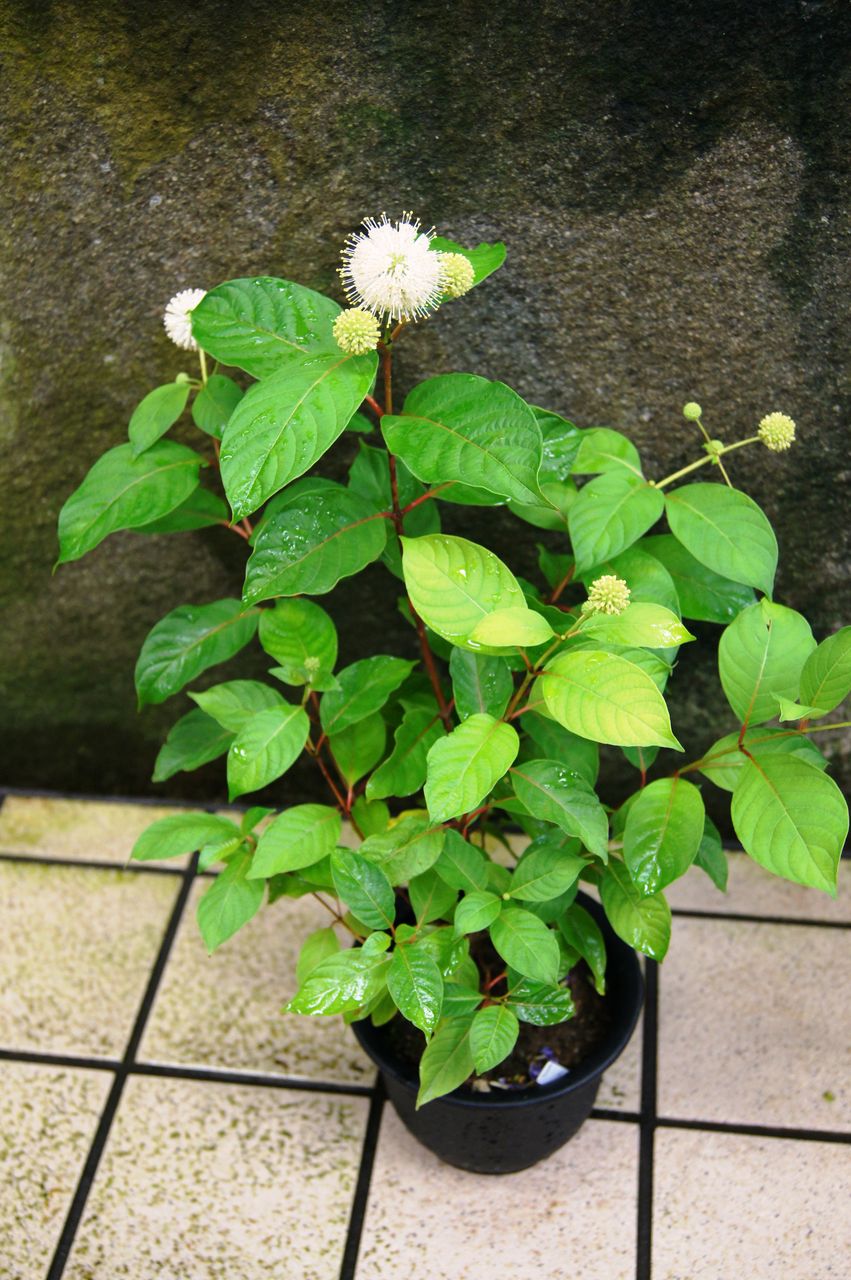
(501, 1132)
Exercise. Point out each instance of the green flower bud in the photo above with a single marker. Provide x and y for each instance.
(776, 431)
(356, 331)
(182, 378)
(692, 411)
(456, 274)
(608, 594)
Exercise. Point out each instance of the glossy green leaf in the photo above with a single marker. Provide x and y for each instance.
(300, 636)
(364, 688)
(554, 793)
(582, 933)
(194, 740)
(459, 1000)
(229, 903)
(703, 594)
(476, 911)
(540, 1003)
(525, 943)
(710, 856)
(369, 476)
(404, 771)
(557, 743)
(546, 871)
(663, 832)
(200, 510)
(431, 897)
(300, 837)
(648, 625)
(447, 1060)
(604, 697)
(560, 441)
(214, 404)
(416, 985)
(406, 849)
(479, 683)
(453, 584)
(601, 449)
(270, 742)
(761, 654)
(343, 983)
(484, 259)
(644, 922)
(511, 628)
(792, 819)
(153, 415)
(125, 492)
(826, 677)
(726, 531)
(493, 1034)
(610, 514)
(186, 642)
(723, 762)
(317, 946)
(181, 833)
(314, 535)
(464, 429)
(463, 767)
(461, 864)
(359, 747)
(364, 888)
(233, 703)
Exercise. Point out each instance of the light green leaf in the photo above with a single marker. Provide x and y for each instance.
(582, 933)
(233, 703)
(343, 983)
(311, 537)
(300, 636)
(199, 511)
(610, 514)
(125, 492)
(484, 259)
(406, 849)
(459, 427)
(725, 530)
(194, 740)
(453, 584)
(371, 816)
(153, 415)
(447, 1060)
(214, 404)
(663, 831)
(525, 943)
(267, 746)
(464, 766)
(186, 642)
(724, 761)
(229, 903)
(641, 624)
(703, 594)
(643, 922)
(604, 697)
(761, 654)
(601, 449)
(790, 710)
(365, 687)
(710, 856)
(358, 748)
(557, 743)
(546, 871)
(364, 888)
(493, 1034)
(554, 793)
(404, 771)
(826, 677)
(431, 897)
(461, 864)
(416, 985)
(300, 837)
(479, 684)
(317, 946)
(792, 819)
(476, 911)
(181, 833)
(540, 1003)
(459, 1000)
(511, 628)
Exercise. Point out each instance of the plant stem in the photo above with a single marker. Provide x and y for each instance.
(202, 356)
(701, 462)
(557, 590)
(374, 406)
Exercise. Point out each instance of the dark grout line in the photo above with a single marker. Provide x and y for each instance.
(621, 1117)
(94, 797)
(91, 864)
(747, 918)
(757, 1130)
(59, 1060)
(255, 1079)
(361, 1196)
(647, 1123)
(81, 1195)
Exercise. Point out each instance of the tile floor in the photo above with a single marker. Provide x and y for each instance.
(161, 1121)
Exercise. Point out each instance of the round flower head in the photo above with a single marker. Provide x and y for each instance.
(607, 594)
(176, 320)
(390, 270)
(692, 411)
(356, 331)
(457, 276)
(776, 431)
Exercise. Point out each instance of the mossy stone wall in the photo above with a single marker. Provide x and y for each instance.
(671, 179)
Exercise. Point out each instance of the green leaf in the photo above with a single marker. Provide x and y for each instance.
(370, 816)
(761, 654)
(404, 771)
(464, 766)
(556, 743)
(343, 983)
(663, 831)
(234, 703)
(493, 1034)
(826, 677)
(407, 849)
(546, 871)
(365, 687)
(561, 440)
(582, 933)
(283, 425)
(182, 833)
(703, 594)
(186, 642)
(431, 897)
(369, 476)
(462, 428)
(358, 748)
(317, 946)
(525, 943)
(459, 1000)
(125, 492)
(214, 404)
(261, 324)
(194, 740)
(724, 761)
(540, 1003)
(447, 1060)
(267, 746)
(199, 511)
(153, 416)
(641, 624)
(229, 903)
(461, 864)
(511, 628)
(601, 449)
(726, 531)
(649, 581)
(642, 921)
(710, 856)
(311, 537)
(364, 888)
(479, 684)
(792, 819)
(416, 985)
(300, 837)
(454, 583)
(554, 793)
(301, 636)
(610, 514)
(604, 697)
(476, 911)
(790, 710)
(484, 259)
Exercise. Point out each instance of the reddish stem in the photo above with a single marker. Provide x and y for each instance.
(374, 406)
(566, 580)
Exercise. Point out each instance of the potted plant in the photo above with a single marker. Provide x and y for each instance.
(476, 976)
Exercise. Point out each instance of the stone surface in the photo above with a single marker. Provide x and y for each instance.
(670, 236)
(210, 1181)
(751, 890)
(77, 829)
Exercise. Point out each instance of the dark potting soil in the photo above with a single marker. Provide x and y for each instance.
(567, 1043)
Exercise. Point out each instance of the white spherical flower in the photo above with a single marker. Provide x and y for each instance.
(390, 270)
(176, 319)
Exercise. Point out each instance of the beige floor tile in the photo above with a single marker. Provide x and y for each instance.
(728, 1205)
(753, 1024)
(221, 1182)
(620, 1088)
(76, 950)
(573, 1215)
(48, 1117)
(224, 1010)
(754, 891)
(72, 829)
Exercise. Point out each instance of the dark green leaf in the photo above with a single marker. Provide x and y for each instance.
(556, 743)
(189, 640)
(364, 888)
(365, 687)
(194, 740)
(214, 404)
(343, 983)
(484, 259)
(461, 864)
(153, 416)
(229, 903)
(407, 849)
(725, 530)
(540, 1003)
(525, 943)
(581, 932)
(610, 514)
(703, 594)
(358, 748)
(416, 985)
(663, 831)
(554, 793)
(710, 856)
(642, 921)
(270, 742)
(199, 511)
(404, 771)
(493, 1034)
(431, 897)
(479, 684)
(447, 1061)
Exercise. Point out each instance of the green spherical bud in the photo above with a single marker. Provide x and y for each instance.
(776, 431)
(607, 594)
(182, 379)
(692, 411)
(356, 331)
(456, 274)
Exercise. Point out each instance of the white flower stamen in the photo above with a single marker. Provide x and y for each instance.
(389, 269)
(176, 319)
